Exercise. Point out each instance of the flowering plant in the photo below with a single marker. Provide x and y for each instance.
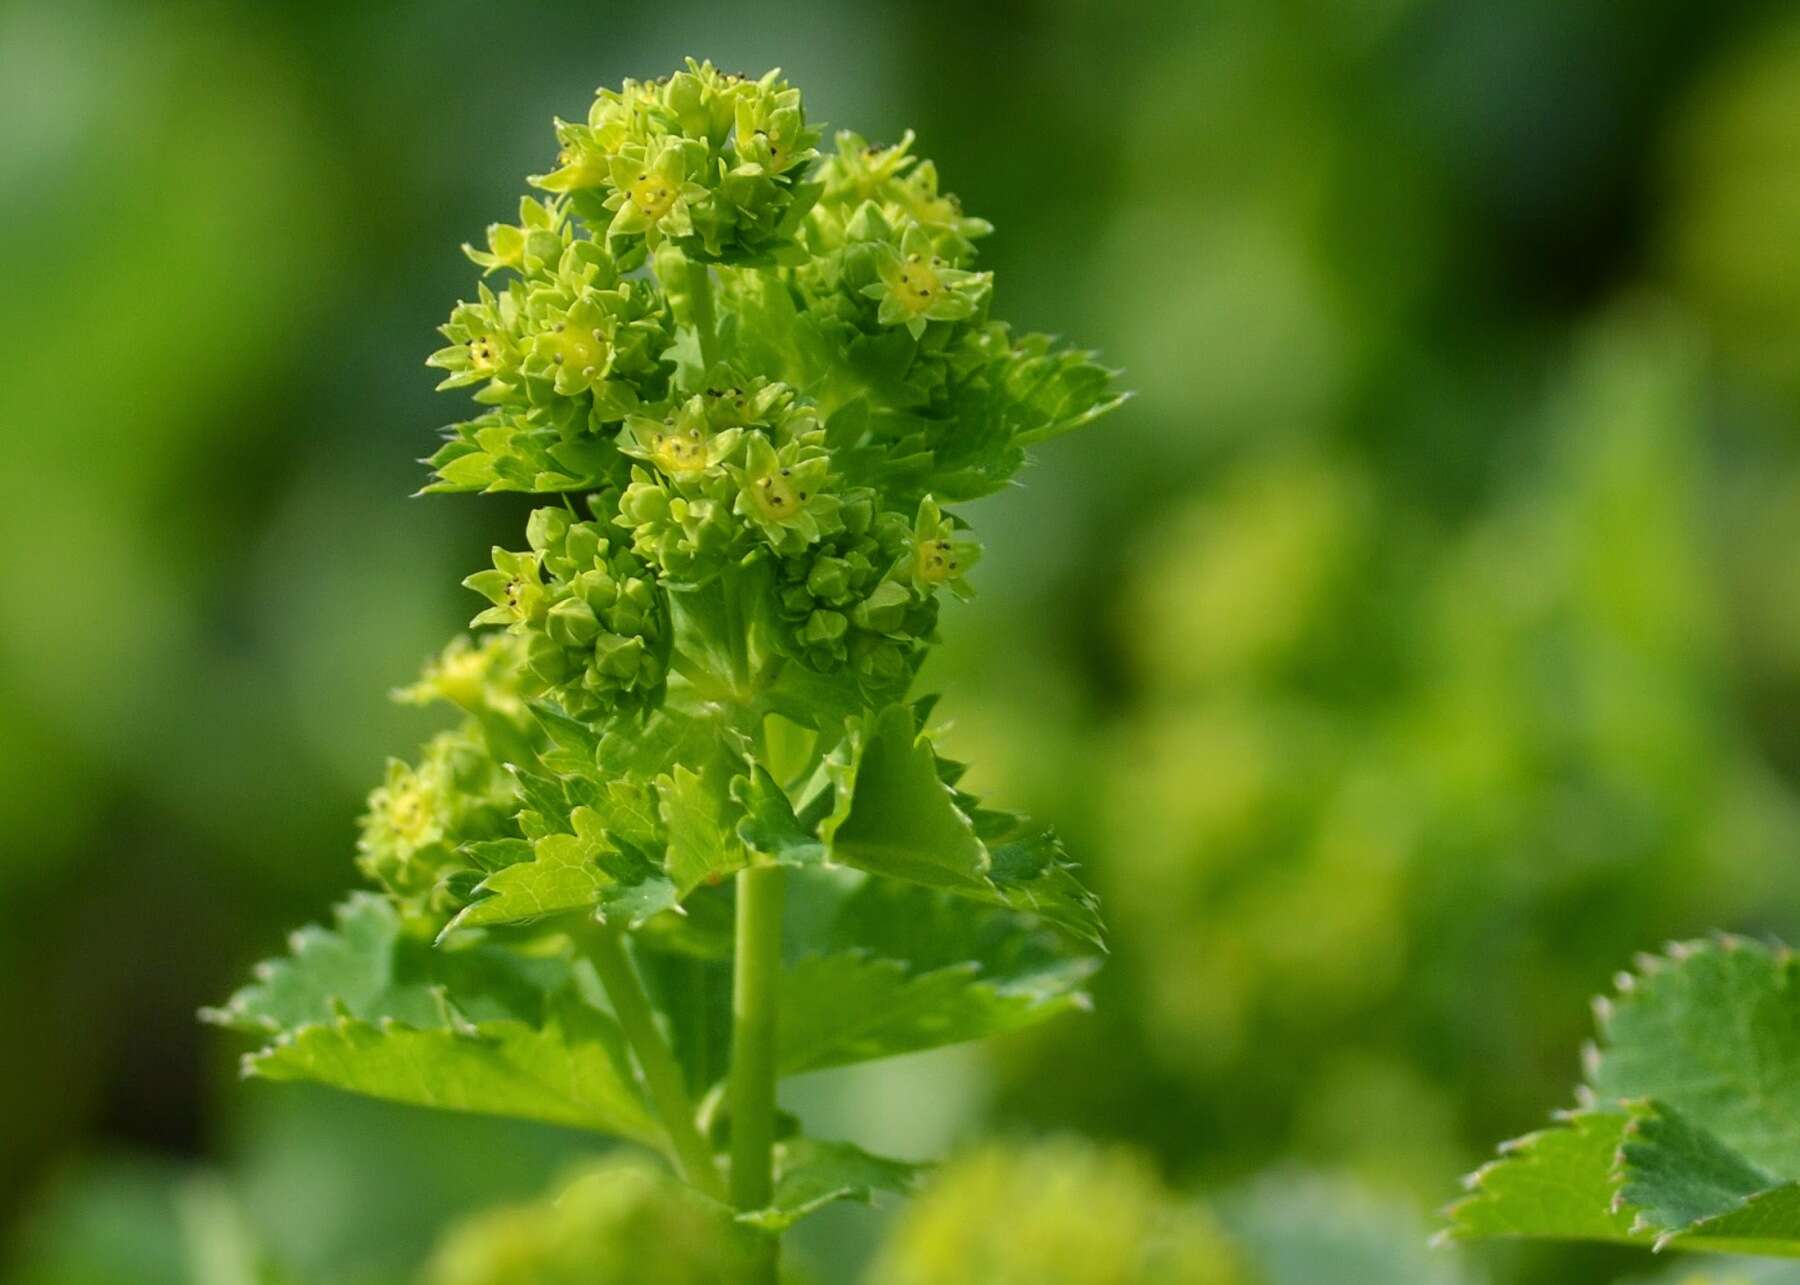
(689, 831)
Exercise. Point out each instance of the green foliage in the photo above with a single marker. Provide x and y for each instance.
(1066, 1212)
(810, 1175)
(1687, 1138)
(747, 379)
(373, 1008)
(1059, 1213)
(620, 1223)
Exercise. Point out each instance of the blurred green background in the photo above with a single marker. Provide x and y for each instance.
(1422, 641)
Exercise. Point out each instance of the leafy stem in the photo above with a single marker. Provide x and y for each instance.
(662, 1073)
(760, 890)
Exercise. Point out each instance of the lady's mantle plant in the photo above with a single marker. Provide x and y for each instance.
(748, 379)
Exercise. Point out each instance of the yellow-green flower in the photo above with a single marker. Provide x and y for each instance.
(941, 553)
(581, 161)
(654, 190)
(532, 246)
(915, 285)
(780, 493)
(514, 587)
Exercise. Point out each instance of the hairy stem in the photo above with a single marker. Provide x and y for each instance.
(706, 325)
(753, 1013)
(662, 1074)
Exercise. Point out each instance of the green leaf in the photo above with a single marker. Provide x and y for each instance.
(571, 1071)
(1557, 1184)
(703, 845)
(370, 966)
(564, 875)
(844, 1008)
(769, 825)
(1713, 1030)
(371, 1007)
(901, 820)
(949, 972)
(1693, 1139)
(1676, 1174)
(811, 1174)
(1031, 872)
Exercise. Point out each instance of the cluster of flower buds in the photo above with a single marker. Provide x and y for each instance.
(569, 345)
(707, 160)
(740, 353)
(595, 630)
(422, 816)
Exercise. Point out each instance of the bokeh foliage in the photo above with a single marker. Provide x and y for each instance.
(1419, 644)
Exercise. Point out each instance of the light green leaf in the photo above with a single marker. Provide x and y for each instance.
(812, 1174)
(370, 966)
(703, 845)
(1694, 1140)
(1557, 1184)
(897, 817)
(571, 1071)
(769, 825)
(371, 1007)
(850, 1007)
(564, 875)
(902, 968)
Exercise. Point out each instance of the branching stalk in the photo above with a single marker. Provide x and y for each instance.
(662, 1074)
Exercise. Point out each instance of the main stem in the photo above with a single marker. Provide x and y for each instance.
(753, 1013)
(662, 1073)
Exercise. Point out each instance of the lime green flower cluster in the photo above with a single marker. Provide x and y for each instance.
(710, 161)
(594, 631)
(421, 817)
(804, 375)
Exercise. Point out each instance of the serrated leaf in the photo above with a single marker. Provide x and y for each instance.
(852, 1007)
(769, 825)
(371, 1007)
(703, 844)
(1713, 1030)
(901, 820)
(902, 968)
(812, 1174)
(1696, 1084)
(564, 875)
(1031, 873)
(370, 966)
(1675, 1174)
(571, 1071)
(1557, 1183)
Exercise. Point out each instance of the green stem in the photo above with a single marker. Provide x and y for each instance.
(753, 1013)
(706, 325)
(662, 1074)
